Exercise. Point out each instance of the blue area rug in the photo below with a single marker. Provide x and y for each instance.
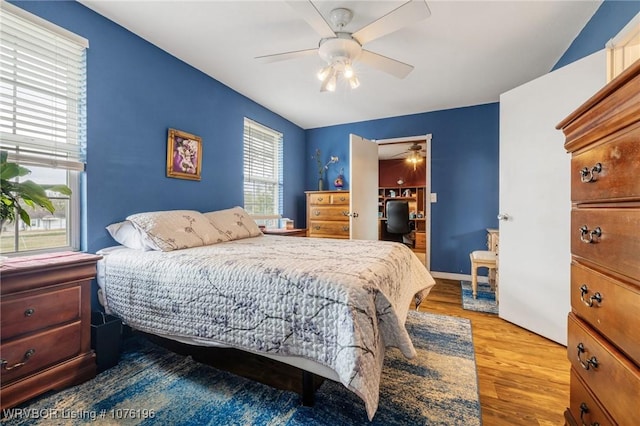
(151, 385)
(486, 301)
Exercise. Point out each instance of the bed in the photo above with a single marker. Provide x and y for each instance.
(327, 306)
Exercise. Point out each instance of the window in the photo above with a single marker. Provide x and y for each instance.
(42, 123)
(262, 173)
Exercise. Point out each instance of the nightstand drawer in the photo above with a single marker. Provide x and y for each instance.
(39, 351)
(21, 315)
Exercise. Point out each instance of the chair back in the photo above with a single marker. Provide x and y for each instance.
(398, 217)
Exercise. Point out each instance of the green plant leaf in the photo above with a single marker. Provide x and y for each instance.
(24, 216)
(12, 170)
(31, 191)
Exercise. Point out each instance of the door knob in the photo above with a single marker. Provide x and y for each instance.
(503, 217)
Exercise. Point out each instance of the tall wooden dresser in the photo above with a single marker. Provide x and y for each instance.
(46, 324)
(328, 214)
(603, 137)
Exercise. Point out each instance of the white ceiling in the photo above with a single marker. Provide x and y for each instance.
(466, 53)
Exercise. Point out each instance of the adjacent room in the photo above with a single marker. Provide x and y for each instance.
(320, 212)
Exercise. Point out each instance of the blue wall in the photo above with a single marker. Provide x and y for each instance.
(464, 161)
(135, 92)
(609, 19)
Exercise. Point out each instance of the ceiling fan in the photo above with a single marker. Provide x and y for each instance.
(414, 155)
(340, 49)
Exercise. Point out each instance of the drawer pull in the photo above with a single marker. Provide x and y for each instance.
(343, 198)
(28, 354)
(320, 198)
(596, 296)
(587, 236)
(317, 227)
(587, 176)
(591, 362)
(345, 228)
(29, 312)
(316, 212)
(584, 409)
(345, 213)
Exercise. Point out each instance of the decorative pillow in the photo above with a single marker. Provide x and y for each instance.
(127, 235)
(176, 229)
(235, 223)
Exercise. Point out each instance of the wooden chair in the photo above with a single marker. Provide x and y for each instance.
(482, 259)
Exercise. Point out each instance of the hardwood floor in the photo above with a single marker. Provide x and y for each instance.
(523, 377)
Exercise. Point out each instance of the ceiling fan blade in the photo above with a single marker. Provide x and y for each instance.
(407, 14)
(267, 59)
(382, 63)
(309, 13)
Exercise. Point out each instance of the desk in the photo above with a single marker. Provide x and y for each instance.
(287, 232)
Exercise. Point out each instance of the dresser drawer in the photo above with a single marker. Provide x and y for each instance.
(617, 247)
(21, 315)
(608, 171)
(319, 199)
(341, 198)
(583, 405)
(329, 229)
(609, 306)
(40, 350)
(614, 380)
(329, 213)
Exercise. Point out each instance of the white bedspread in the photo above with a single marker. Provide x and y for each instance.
(336, 302)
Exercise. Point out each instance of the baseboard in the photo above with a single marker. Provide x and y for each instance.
(457, 277)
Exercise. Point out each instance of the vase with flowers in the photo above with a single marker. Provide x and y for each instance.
(322, 168)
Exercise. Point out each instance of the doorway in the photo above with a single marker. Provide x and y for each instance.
(404, 157)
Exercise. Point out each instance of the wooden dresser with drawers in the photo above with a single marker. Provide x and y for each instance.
(45, 327)
(603, 137)
(328, 214)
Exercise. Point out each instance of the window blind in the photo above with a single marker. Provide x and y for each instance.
(262, 170)
(42, 91)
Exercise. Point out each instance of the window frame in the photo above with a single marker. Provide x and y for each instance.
(276, 179)
(52, 134)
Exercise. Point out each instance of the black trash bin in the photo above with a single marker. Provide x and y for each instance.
(106, 338)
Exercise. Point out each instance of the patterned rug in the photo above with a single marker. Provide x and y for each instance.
(151, 385)
(486, 301)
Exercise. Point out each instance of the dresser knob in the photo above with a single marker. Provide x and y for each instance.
(29, 312)
(584, 409)
(316, 212)
(591, 362)
(589, 237)
(597, 297)
(590, 175)
(28, 354)
(345, 228)
(320, 198)
(317, 227)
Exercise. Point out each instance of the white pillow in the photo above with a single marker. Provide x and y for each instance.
(176, 229)
(235, 223)
(127, 235)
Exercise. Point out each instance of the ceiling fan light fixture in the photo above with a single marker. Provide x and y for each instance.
(324, 73)
(354, 82)
(331, 83)
(348, 71)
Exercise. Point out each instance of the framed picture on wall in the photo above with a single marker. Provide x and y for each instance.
(184, 155)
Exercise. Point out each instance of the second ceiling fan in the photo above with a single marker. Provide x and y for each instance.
(340, 49)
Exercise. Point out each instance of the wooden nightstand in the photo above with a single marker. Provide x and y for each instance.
(287, 232)
(45, 324)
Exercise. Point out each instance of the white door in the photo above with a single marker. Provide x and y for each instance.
(363, 182)
(535, 196)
